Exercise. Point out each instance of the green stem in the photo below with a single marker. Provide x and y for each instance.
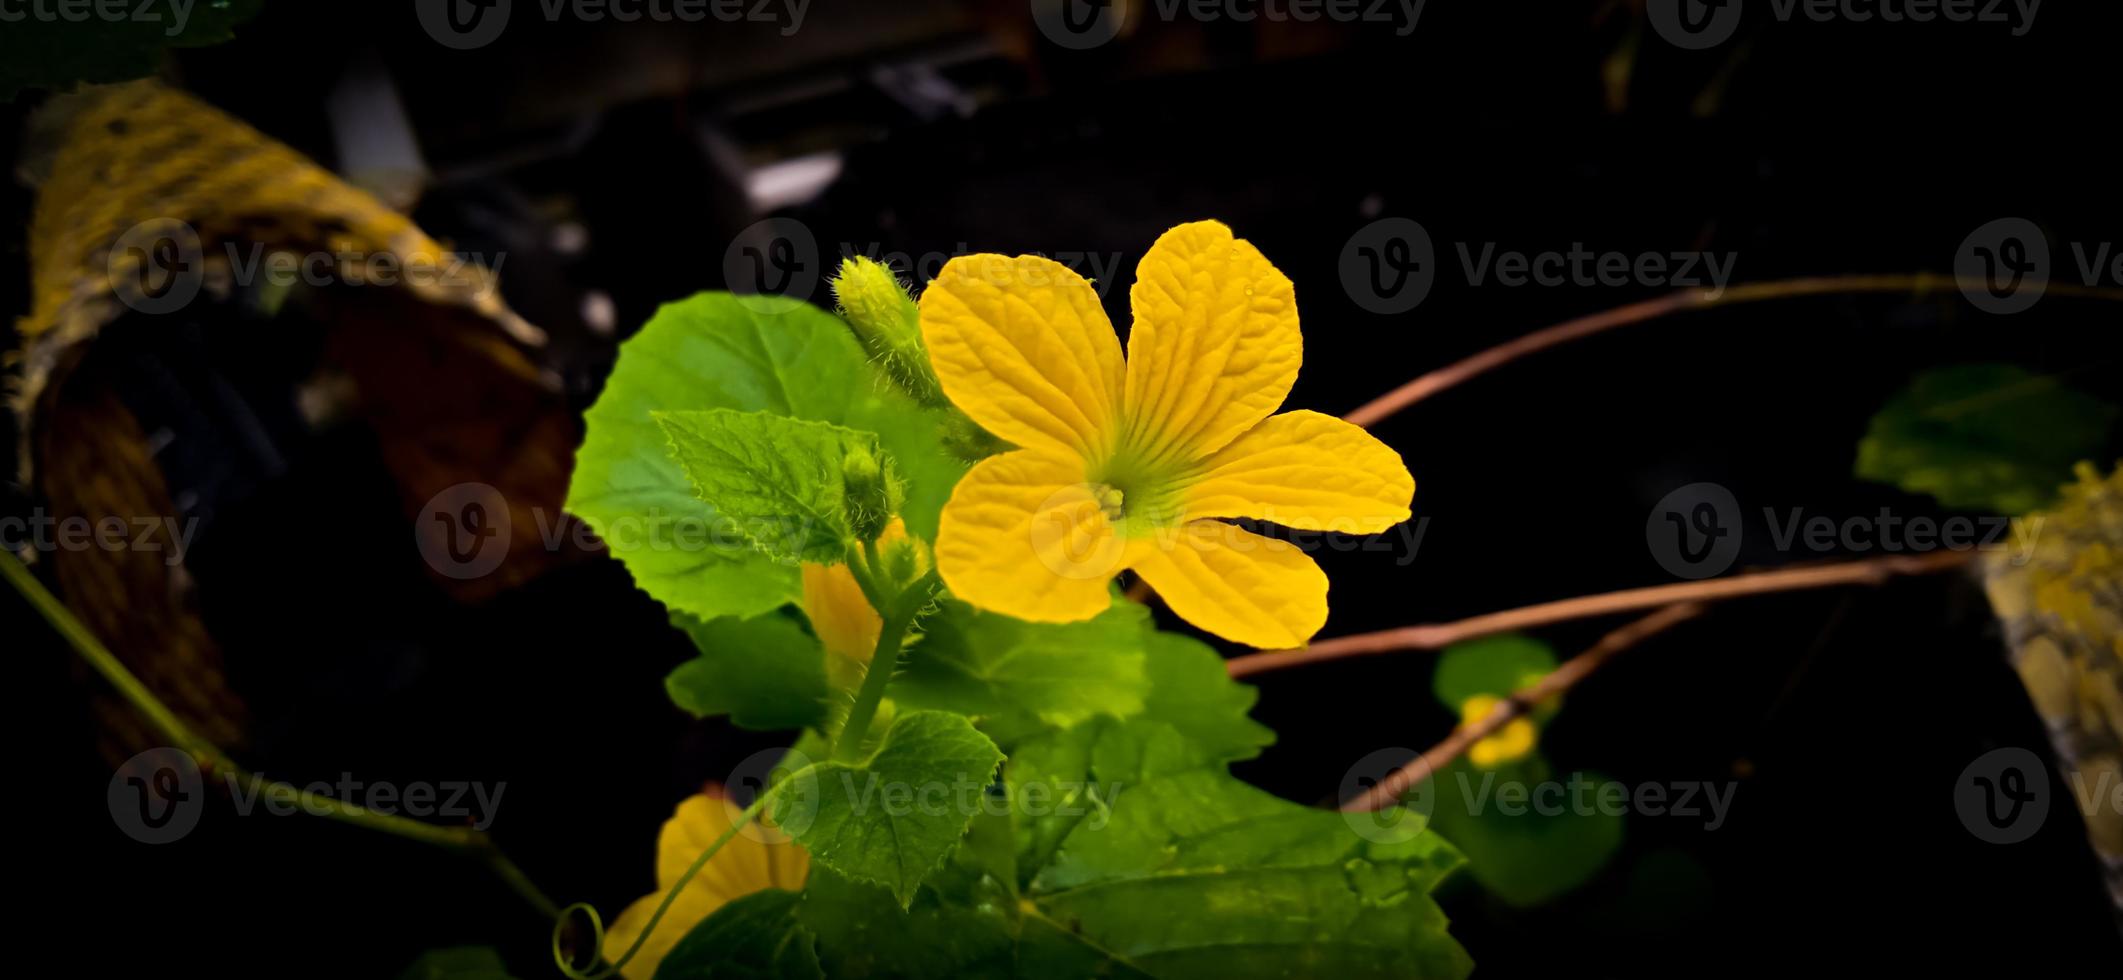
(670, 895)
(883, 662)
(211, 759)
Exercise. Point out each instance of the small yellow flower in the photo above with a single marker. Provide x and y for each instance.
(757, 859)
(1139, 464)
(841, 616)
(1510, 742)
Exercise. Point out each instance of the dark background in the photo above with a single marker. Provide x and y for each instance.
(1803, 148)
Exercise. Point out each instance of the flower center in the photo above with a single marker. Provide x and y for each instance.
(1138, 497)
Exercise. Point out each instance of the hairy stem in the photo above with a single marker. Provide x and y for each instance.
(1432, 636)
(1561, 679)
(883, 662)
(212, 760)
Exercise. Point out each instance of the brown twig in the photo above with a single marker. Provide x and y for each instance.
(1432, 636)
(1521, 701)
(1694, 299)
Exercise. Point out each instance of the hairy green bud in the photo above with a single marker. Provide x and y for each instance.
(868, 494)
(876, 304)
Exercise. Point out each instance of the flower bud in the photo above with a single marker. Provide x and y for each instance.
(877, 306)
(868, 493)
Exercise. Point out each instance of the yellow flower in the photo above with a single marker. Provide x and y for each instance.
(841, 616)
(757, 859)
(1139, 463)
(1510, 742)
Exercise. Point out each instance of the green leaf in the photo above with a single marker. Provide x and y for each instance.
(963, 929)
(1987, 437)
(893, 818)
(1018, 678)
(1493, 665)
(760, 354)
(1190, 872)
(1191, 691)
(55, 53)
(1526, 857)
(757, 936)
(1172, 868)
(458, 963)
(766, 672)
(774, 480)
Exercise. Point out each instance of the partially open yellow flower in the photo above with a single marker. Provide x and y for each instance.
(755, 860)
(1510, 742)
(841, 616)
(1136, 464)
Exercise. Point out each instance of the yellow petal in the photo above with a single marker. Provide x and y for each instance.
(1022, 346)
(1025, 536)
(1215, 346)
(1306, 470)
(840, 614)
(841, 617)
(1236, 584)
(757, 859)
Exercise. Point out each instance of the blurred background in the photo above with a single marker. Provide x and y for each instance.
(611, 166)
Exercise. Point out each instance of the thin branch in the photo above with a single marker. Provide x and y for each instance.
(1521, 701)
(1433, 636)
(212, 760)
(1450, 375)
